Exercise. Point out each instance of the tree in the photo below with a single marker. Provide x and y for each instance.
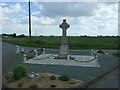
(22, 35)
(14, 35)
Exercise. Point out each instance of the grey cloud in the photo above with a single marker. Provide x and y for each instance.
(53, 9)
(109, 3)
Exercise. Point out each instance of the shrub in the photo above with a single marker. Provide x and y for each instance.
(52, 77)
(53, 85)
(64, 78)
(33, 86)
(19, 72)
(116, 54)
(72, 82)
(100, 51)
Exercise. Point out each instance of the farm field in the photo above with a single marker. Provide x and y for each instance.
(74, 42)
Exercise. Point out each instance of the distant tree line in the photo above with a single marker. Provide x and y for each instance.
(13, 35)
(22, 35)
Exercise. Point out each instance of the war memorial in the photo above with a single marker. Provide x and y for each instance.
(86, 66)
(63, 57)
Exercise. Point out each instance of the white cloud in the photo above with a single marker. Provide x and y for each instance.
(101, 21)
(36, 13)
(12, 9)
(15, 28)
(3, 4)
(37, 21)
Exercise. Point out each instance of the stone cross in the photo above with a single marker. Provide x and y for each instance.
(64, 26)
(64, 47)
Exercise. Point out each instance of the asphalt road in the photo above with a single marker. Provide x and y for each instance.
(108, 81)
(9, 51)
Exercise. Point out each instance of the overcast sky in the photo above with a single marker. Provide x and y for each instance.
(85, 18)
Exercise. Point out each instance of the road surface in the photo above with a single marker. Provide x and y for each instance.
(9, 51)
(108, 81)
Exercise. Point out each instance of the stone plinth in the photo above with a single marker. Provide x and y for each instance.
(64, 50)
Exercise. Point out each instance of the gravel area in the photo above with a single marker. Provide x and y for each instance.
(42, 80)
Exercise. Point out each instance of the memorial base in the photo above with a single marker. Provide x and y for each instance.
(64, 49)
(63, 52)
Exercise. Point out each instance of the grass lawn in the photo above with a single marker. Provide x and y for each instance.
(74, 42)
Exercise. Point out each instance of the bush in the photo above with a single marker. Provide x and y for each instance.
(33, 86)
(100, 51)
(64, 78)
(19, 72)
(52, 77)
(53, 85)
(117, 54)
(72, 82)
